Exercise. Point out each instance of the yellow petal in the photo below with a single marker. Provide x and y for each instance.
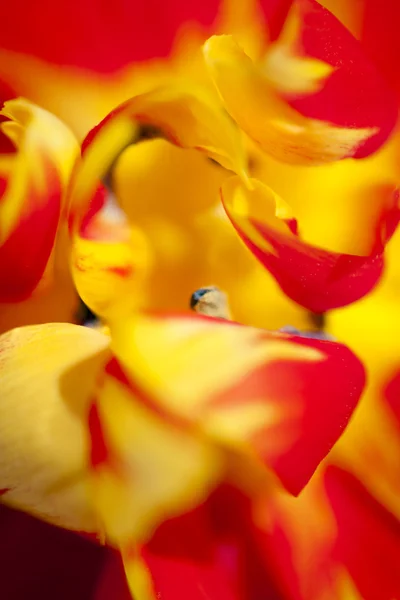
(47, 374)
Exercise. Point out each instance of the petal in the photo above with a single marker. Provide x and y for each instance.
(321, 105)
(368, 537)
(315, 278)
(106, 37)
(146, 465)
(241, 386)
(47, 373)
(34, 180)
(379, 37)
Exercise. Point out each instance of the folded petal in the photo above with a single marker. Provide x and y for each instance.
(315, 278)
(47, 374)
(313, 98)
(33, 183)
(274, 398)
(188, 119)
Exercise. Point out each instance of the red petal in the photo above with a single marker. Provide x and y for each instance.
(368, 537)
(98, 35)
(209, 553)
(354, 95)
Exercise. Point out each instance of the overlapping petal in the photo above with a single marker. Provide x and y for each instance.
(313, 98)
(241, 385)
(316, 278)
(33, 180)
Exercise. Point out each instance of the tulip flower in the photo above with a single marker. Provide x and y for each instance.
(229, 422)
(266, 411)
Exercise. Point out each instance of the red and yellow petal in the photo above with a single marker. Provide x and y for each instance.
(241, 387)
(34, 180)
(314, 98)
(47, 373)
(315, 278)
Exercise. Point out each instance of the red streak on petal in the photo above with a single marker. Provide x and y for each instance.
(4, 491)
(121, 271)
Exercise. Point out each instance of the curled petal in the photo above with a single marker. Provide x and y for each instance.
(314, 98)
(315, 278)
(276, 398)
(109, 259)
(32, 182)
(47, 374)
(188, 119)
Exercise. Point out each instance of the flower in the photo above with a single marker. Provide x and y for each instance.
(229, 422)
(250, 417)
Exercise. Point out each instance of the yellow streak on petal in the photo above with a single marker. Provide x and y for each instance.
(288, 73)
